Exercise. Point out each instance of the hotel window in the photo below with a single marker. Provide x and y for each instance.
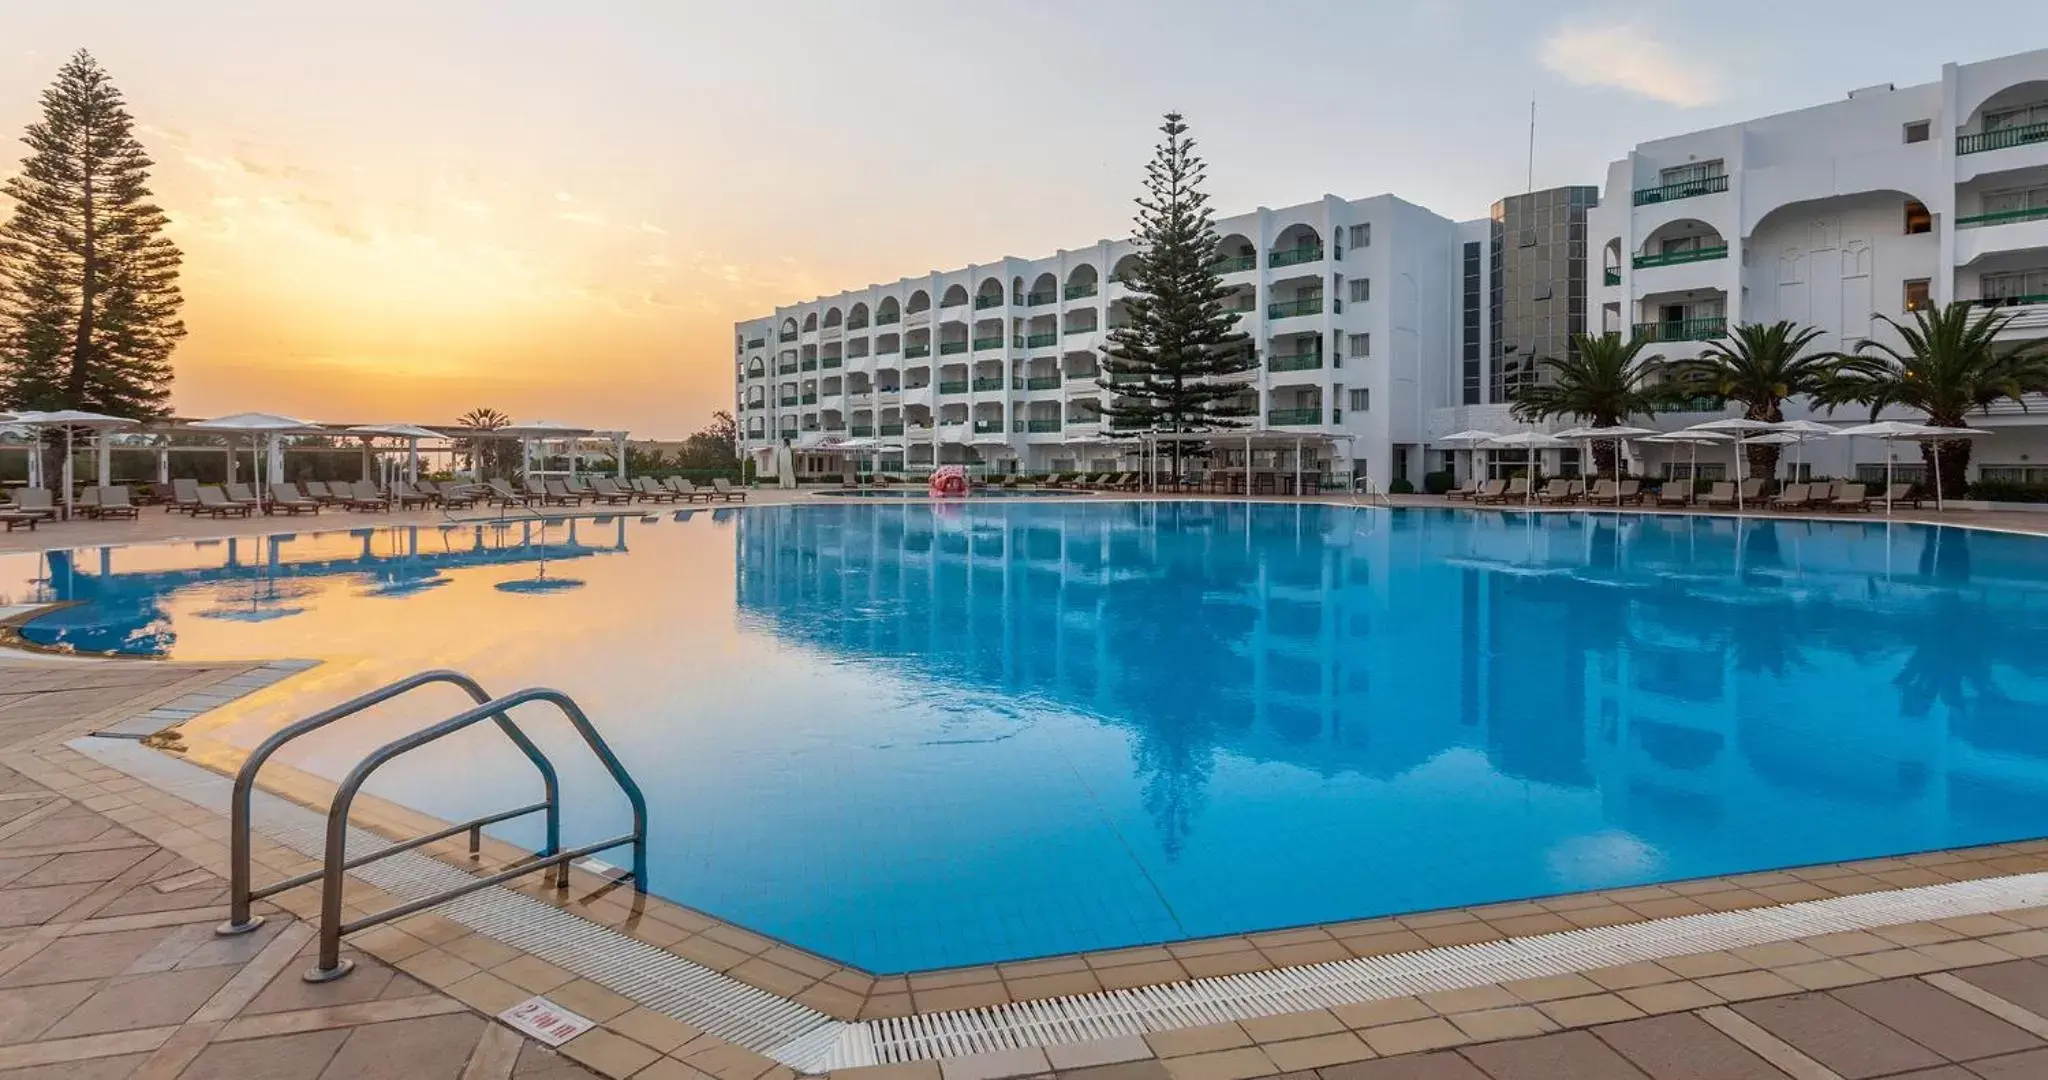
(2016, 199)
(1361, 345)
(2024, 116)
(1916, 294)
(1702, 170)
(2014, 287)
(1361, 235)
(1361, 400)
(1361, 290)
(1918, 220)
(1918, 130)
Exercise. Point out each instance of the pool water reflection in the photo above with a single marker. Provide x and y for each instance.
(909, 736)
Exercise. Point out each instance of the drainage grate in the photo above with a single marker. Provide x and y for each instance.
(809, 1041)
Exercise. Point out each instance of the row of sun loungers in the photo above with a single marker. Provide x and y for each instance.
(1849, 497)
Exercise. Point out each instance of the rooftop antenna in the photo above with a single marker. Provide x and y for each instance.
(1532, 145)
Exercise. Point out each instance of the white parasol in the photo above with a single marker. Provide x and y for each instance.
(70, 420)
(1693, 439)
(269, 426)
(411, 433)
(1736, 425)
(1531, 441)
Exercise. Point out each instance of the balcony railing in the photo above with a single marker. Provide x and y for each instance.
(953, 386)
(986, 383)
(1042, 382)
(861, 325)
(1610, 276)
(1291, 308)
(810, 364)
(949, 348)
(1088, 329)
(788, 367)
(887, 317)
(888, 350)
(1078, 376)
(892, 429)
(1705, 403)
(1040, 299)
(988, 427)
(1305, 253)
(915, 351)
(2011, 301)
(1081, 291)
(789, 402)
(828, 362)
(1040, 427)
(1235, 264)
(862, 431)
(2002, 138)
(1295, 362)
(952, 303)
(1673, 258)
(786, 335)
(983, 303)
(1683, 330)
(981, 343)
(810, 399)
(1040, 340)
(1293, 417)
(755, 343)
(1683, 189)
(2002, 217)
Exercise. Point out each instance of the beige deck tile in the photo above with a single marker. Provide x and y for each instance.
(831, 1000)
(1779, 954)
(1514, 1022)
(992, 1066)
(1239, 1064)
(1625, 976)
(1701, 965)
(1286, 1026)
(1429, 919)
(1412, 1036)
(1289, 937)
(1383, 944)
(1317, 1051)
(1053, 965)
(1145, 954)
(1367, 1014)
(532, 973)
(1847, 943)
(1586, 1011)
(1600, 915)
(1749, 985)
(1094, 1052)
(773, 978)
(1146, 974)
(1204, 947)
(971, 996)
(653, 1029)
(1670, 997)
(1964, 953)
(1542, 922)
(1825, 974)
(586, 998)
(1909, 935)
(1060, 984)
(1551, 987)
(951, 977)
(1469, 1000)
(882, 1006)
(486, 993)
(1666, 907)
(1458, 934)
(2025, 943)
(1231, 963)
(1315, 952)
(609, 1053)
(1894, 963)
(1197, 1040)
(912, 1070)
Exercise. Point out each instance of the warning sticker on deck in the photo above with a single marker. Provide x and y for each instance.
(545, 1020)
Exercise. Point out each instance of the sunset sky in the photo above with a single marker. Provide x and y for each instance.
(397, 210)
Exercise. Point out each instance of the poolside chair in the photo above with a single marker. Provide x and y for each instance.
(362, 495)
(580, 485)
(1518, 490)
(113, 502)
(723, 487)
(1722, 494)
(406, 496)
(648, 490)
(239, 493)
(212, 500)
(1555, 492)
(1632, 492)
(501, 494)
(1464, 491)
(1850, 497)
(607, 490)
(286, 497)
(1603, 491)
(1490, 491)
(688, 491)
(557, 493)
(16, 519)
(87, 503)
(326, 493)
(1753, 489)
(184, 496)
(1674, 493)
(1903, 493)
(1793, 497)
(1819, 495)
(456, 496)
(37, 501)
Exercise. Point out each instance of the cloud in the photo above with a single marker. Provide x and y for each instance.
(1626, 57)
(653, 229)
(582, 217)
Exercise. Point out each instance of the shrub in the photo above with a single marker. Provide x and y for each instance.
(2007, 491)
(1435, 483)
(1401, 485)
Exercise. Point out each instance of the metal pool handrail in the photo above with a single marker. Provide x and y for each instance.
(240, 893)
(331, 965)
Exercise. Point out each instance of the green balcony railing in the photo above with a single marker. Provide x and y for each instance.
(1235, 264)
(2002, 138)
(835, 425)
(983, 303)
(828, 362)
(788, 368)
(1088, 329)
(981, 343)
(1291, 308)
(1683, 330)
(1040, 299)
(1673, 258)
(888, 350)
(1293, 417)
(2011, 301)
(893, 429)
(952, 386)
(1040, 340)
(1042, 382)
(1081, 291)
(755, 343)
(952, 303)
(1610, 276)
(789, 402)
(2002, 217)
(988, 427)
(1683, 189)
(887, 317)
(914, 351)
(862, 431)
(1078, 376)
(1305, 253)
(786, 335)
(1296, 362)
(1704, 403)
(810, 364)
(949, 348)
(985, 383)
(809, 399)
(1040, 427)
(852, 326)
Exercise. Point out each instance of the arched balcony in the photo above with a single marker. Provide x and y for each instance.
(917, 344)
(888, 312)
(1124, 268)
(1685, 240)
(1082, 282)
(988, 295)
(2013, 117)
(1297, 245)
(788, 332)
(1235, 254)
(833, 318)
(954, 296)
(1610, 262)
(988, 333)
(811, 323)
(1044, 290)
(857, 317)
(917, 310)
(756, 368)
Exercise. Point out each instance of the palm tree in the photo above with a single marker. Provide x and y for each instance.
(1606, 382)
(1758, 366)
(1949, 362)
(485, 455)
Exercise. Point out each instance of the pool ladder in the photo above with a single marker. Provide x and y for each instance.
(551, 857)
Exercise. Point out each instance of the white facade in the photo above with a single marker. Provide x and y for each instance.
(1834, 215)
(1348, 302)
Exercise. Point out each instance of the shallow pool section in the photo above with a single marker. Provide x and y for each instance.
(917, 735)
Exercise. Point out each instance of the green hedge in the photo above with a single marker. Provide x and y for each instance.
(2006, 491)
(1401, 485)
(1437, 483)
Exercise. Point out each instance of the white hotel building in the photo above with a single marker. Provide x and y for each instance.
(1375, 317)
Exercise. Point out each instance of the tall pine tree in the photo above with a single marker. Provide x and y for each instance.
(88, 283)
(1167, 365)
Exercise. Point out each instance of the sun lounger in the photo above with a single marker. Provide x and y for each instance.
(557, 493)
(1849, 497)
(608, 490)
(1603, 491)
(1722, 494)
(37, 501)
(239, 493)
(113, 502)
(16, 519)
(1632, 491)
(648, 490)
(722, 487)
(1903, 493)
(456, 496)
(1674, 493)
(1753, 490)
(286, 497)
(689, 491)
(362, 495)
(1464, 491)
(1555, 492)
(212, 500)
(1490, 491)
(87, 504)
(501, 494)
(184, 496)
(325, 493)
(1793, 497)
(407, 496)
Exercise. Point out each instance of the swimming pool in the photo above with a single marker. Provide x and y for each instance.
(921, 493)
(908, 736)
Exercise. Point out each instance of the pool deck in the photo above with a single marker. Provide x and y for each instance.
(109, 888)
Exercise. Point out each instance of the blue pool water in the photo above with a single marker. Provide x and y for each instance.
(909, 736)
